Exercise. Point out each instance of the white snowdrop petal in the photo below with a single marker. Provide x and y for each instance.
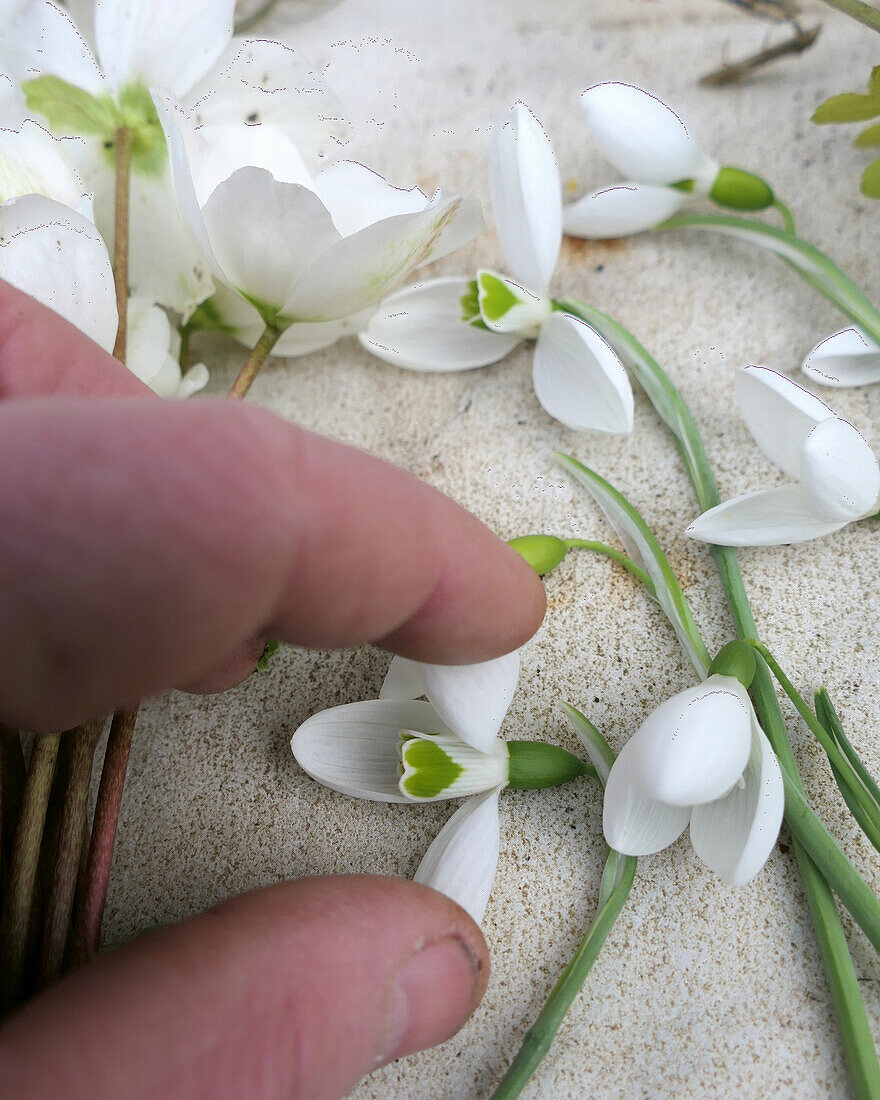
(640, 136)
(402, 680)
(507, 307)
(56, 255)
(578, 378)
(462, 861)
(847, 358)
(622, 210)
(769, 517)
(735, 835)
(633, 823)
(694, 746)
(473, 699)
(526, 197)
(779, 413)
(354, 748)
(421, 328)
(839, 472)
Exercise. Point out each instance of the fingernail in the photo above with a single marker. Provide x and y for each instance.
(436, 993)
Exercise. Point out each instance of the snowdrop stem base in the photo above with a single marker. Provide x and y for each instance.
(124, 140)
(254, 362)
(18, 897)
(540, 1035)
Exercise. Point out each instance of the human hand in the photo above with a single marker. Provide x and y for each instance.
(145, 544)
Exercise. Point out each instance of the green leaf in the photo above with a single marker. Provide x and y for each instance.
(849, 107)
(269, 649)
(871, 136)
(69, 110)
(870, 184)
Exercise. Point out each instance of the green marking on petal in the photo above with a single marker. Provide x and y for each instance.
(496, 297)
(431, 770)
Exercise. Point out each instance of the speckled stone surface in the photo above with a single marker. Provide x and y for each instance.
(701, 991)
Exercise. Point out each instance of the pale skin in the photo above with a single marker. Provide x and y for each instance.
(146, 544)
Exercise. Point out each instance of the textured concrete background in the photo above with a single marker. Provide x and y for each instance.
(701, 991)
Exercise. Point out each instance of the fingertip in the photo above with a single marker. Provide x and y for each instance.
(229, 672)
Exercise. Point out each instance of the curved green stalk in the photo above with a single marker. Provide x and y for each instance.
(827, 715)
(811, 264)
(785, 214)
(615, 555)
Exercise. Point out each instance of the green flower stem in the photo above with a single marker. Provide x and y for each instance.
(864, 13)
(124, 139)
(785, 214)
(255, 361)
(868, 813)
(616, 555)
(825, 865)
(90, 902)
(812, 265)
(23, 871)
(74, 817)
(540, 1035)
(827, 715)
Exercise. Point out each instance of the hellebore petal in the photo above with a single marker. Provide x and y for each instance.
(779, 413)
(526, 197)
(642, 137)
(695, 746)
(769, 517)
(356, 196)
(635, 824)
(32, 162)
(847, 358)
(172, 43)
(839, 472)
(506, 307)
(735, 835)
(149, 352)
(578, 378)
(42, 39)
(361, 269)
(252, 221)
(355, 748)
(421, 328)
(56, 255)
(622, 210)
(462, 861)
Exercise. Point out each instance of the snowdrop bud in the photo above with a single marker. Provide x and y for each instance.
(542, 552)
(741, 190)
(736, 659)
(535, 764)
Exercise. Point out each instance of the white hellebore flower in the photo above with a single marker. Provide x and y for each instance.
(838, 479)
(33, 162)
(847, 358)
(700, 759)
(308, 250)
(397, 749)
(152, 350)
(664, 167)
(453, 324)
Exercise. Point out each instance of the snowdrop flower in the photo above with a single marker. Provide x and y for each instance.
(308, 250)
(838, 479)
(152, 350)
(664, 167)
(400, 748)
(848, 358)
(456, 324)
(700, 759)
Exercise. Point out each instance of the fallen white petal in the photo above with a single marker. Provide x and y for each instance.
(56, 255)
(847, 358)
(462, 861)
(622, 210)
(421, 328)
(171, 43)
(526, 197)
(694, 746)
(642, 137)
(578, 378)
(769, 517)
(354, 748)
(779, 413)
(839, 472)
(734, 835)
(473, 699)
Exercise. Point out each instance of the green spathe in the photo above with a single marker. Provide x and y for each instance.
(535, 764)
(736, 659)
(542, 552)
(741, 190)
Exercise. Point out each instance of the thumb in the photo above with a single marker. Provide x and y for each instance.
(296, 990)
